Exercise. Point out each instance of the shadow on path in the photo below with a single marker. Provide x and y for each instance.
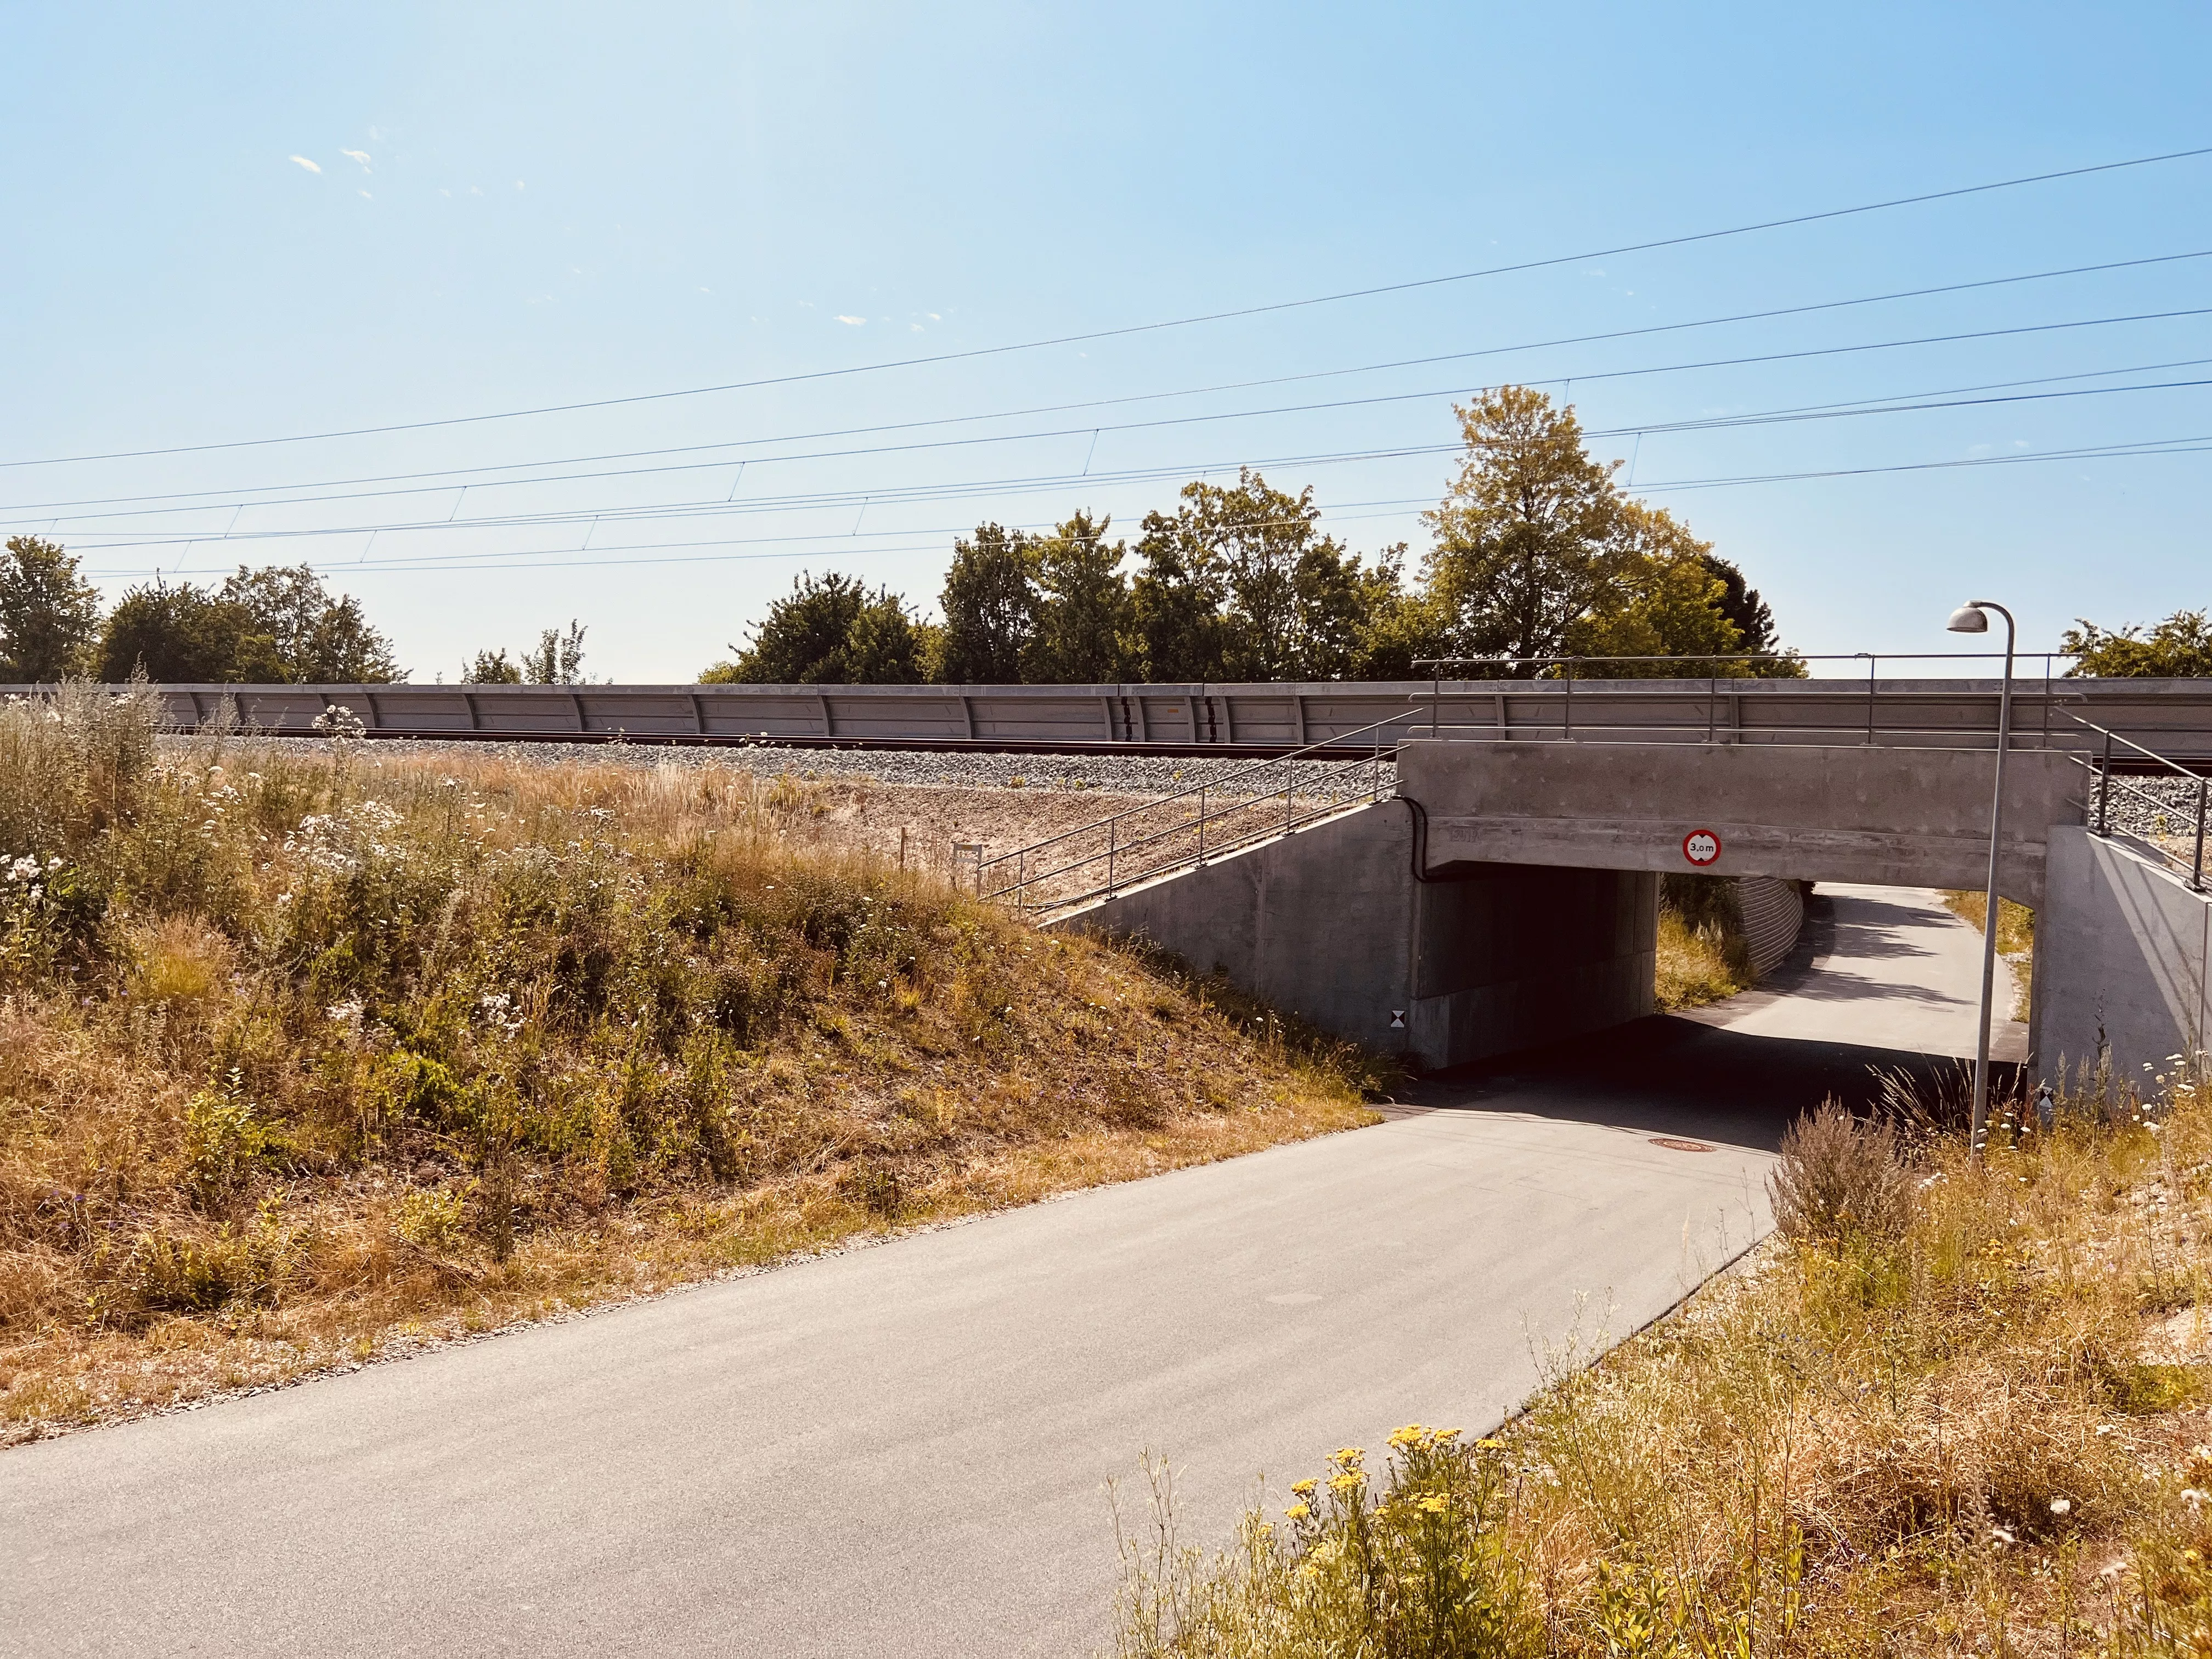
(1665, 1076)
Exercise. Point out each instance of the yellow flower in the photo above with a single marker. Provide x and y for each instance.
(1491, 1444)
(1347, 1455)
(1411, 1435)
(1302, 1488)
(1345, 1483)
(1297, 1512)
(1434, 1503)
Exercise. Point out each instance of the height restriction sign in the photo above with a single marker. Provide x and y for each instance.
(1701, 848)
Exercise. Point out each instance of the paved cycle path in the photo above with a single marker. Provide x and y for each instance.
(904, 1449)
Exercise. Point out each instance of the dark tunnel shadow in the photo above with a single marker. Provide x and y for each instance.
(1662, 1075)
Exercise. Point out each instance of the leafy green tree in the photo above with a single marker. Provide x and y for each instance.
(184, 636)
(1660, 598)
(1526, 537)
(829, 630)
(313, 638)
(1085, 617)
(270, 626)
(557, 658)
(990, 605)
(49, 613)
(2180, 647)
(1399, 625)
(492, 668)
(1240, 583)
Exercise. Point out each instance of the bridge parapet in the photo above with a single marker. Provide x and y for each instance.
(1916, 818)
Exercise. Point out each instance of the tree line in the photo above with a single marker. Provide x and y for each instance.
(275, 626)
(1536, 554)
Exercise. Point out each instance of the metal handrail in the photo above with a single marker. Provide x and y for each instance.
(2102, 769)
(1118, 851)
(1209, 784)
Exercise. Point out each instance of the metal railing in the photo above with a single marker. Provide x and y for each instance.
(2108, 779)
(1209, 820)
(1563, 673)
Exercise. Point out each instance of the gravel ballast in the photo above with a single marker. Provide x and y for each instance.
(1125, 775)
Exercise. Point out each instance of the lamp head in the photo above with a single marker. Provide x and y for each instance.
(1969, 619)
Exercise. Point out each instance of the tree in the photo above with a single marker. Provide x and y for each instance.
(1085, 616)
(1526, 537)
(1399, 627)
(49, 613)
(829, 630)
(1240, 583)
(184, 636)
(491, 668)
(557, 658)
(2180, 647)
(313, 638)
(990, 606)
(1659, 599)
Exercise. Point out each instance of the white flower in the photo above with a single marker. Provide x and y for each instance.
(347, 1012)
(2061, 1505)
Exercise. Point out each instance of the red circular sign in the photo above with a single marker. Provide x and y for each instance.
(1701, 848)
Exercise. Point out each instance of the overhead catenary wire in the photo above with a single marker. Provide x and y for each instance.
(2198, 444)
(1767, 314)
(1682, 240)
(1899, 404)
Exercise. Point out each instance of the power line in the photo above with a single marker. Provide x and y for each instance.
(204, 501)
(2144, 449)
(972, 353)
(1899, 403)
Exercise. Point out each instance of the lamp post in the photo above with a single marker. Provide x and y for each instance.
(1972, 617)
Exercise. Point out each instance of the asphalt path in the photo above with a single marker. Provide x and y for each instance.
(904, 1449)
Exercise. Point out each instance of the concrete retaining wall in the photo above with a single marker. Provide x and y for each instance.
(1773, 912)
(1333, 925)
(2121, 950)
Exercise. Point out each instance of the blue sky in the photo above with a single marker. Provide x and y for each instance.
(513, 206)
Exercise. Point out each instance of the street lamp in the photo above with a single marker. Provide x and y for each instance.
(1972, 617)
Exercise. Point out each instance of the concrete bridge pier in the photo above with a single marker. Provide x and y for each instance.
(1343, 926)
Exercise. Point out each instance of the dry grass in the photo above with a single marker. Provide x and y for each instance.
(1703, 956)
(313, 1054)
(2016, 936)
(1980, 1430)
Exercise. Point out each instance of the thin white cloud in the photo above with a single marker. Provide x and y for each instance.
(475, 190)
(360, 155)
(518, 184)
(916, 327)
(933, 316)
(447, 194)
(364, 195)
(852, 322)
(306, 163)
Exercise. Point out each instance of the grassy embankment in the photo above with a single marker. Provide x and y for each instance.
(1948, 1410)
(310, 1053)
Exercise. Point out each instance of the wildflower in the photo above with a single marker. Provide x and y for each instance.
(2193, 1496)
(2104, 1428)
(1298, 1512)
(1434, 1503)
(2000, 1537)
(1345, 1482)
(1302, 1488)
(1490, 1443)
(2061, 1505)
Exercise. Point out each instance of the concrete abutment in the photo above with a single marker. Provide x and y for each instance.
(1335, 925)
